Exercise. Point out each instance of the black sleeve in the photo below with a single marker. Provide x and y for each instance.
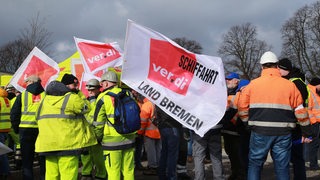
(15, 114)
(303, 90)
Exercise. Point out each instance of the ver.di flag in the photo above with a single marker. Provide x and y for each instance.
(36, 63)
(97, 56)
(189, 87)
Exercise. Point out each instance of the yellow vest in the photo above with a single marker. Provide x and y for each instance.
(62, 125)
(5, 123)
(111, 139)
(29, 105)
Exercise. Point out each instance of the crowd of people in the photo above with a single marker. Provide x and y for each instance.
(276, 113)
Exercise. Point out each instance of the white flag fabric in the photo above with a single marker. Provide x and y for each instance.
(97, 56)
(4, 149)
(189, 87)
(36, 63)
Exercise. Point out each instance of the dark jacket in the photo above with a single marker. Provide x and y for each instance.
(296, 73)
(165, 121)
(15, 114)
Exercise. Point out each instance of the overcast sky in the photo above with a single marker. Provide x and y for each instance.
(204, 21)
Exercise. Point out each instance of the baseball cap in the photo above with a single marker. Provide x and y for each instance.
(232, 75)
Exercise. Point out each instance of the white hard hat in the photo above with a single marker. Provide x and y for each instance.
(109, 76)
(93, 84)
(268, 57)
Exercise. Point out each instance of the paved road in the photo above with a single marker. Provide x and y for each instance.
(267, 174)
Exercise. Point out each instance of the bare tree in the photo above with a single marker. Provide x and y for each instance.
(241, 50)
(13, 53)
(190, 45)
(301, 39)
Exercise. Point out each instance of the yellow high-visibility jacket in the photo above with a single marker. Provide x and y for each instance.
(103, 117)
(62, 126)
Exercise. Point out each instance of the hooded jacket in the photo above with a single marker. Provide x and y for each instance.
(63, 129)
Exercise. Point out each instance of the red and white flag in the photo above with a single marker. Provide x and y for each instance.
(97, 56)
(36, 63)
(189, 87)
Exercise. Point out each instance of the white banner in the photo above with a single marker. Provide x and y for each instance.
(97, 56)
(4, 149)
(189, 87)
(36, 63)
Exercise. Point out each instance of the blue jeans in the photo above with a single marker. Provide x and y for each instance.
(169, 153)
(190, 144)
(280, 149)
(4, 162)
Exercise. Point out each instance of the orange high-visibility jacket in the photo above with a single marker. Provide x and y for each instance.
(146, 115)
(271, 104)
(313, 105)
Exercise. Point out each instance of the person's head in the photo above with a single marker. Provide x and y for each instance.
(32, 79)
(232, 80)
(70, 81)
(56, 88)
(284, 66)
(269, 60)
(109, 79)
(93, 87)
(315, 81)
(12, 92)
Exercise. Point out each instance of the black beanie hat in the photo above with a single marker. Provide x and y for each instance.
(285, 64)
(315, 81)
(69, 79)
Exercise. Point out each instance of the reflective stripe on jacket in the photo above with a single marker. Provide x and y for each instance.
(314, 108)
(62, 126)
(272, 104)
(5, 107)
(103, 117)
(146, 115)
(29, 105)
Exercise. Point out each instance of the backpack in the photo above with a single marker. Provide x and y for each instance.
(126, 113)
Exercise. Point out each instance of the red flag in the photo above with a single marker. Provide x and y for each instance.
(36, 63)
(98, 56)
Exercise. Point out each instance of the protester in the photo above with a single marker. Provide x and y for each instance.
(23, 121)
(14, 137)
(182, 172)
(212, 141)
(297, 158)
(63, 131)
(170, 137)
(118, 148)
(244, 133)
(5, 126)
(314, 114)
(271, 105)
(231, 137)
(139, 141)
(93, 160)
(149, 129)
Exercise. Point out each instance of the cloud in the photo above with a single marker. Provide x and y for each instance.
(204, 21)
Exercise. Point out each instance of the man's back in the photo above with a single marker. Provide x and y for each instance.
(272, 100)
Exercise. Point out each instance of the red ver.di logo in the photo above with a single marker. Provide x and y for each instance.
(164, 68)
(97, 55)
(37, 67)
